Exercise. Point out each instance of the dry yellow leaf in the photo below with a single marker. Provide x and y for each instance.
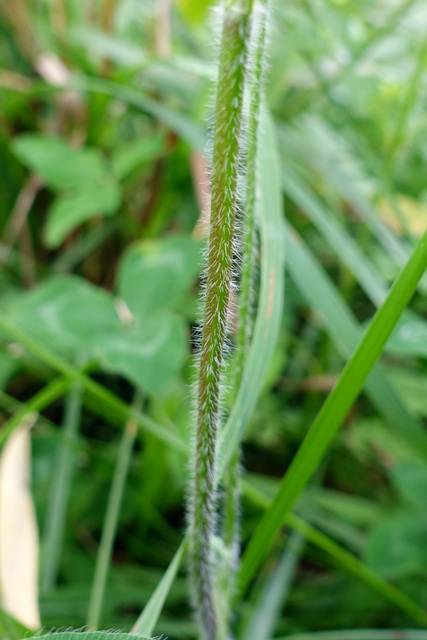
(19, 546)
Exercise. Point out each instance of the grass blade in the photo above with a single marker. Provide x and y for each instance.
(334, 410)
(343, 558)
(111, 520)
(270, 603)
(62, 477)
(147, 621)
(341, 243)
(345, 331)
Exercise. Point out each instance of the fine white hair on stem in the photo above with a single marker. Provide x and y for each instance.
(220, 272)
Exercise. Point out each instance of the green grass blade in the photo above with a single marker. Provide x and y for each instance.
(343, 558)
(398, 250)
(270, 305)
(407, 105)
(111, 521)
(334, 410)
(322, 295)
(61, 484)
(147, 621)
(183, 126)
(109, 402)
(269, 606)
(341, 243)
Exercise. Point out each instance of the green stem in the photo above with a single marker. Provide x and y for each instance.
(245, 319)
(111, 519)
(226, 152)
(55, 519)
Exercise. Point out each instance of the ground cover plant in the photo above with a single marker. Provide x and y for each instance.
(212, 319)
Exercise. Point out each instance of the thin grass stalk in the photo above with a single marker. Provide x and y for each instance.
(112, 513)
(226, 154)
(246, 295)
(55, 519)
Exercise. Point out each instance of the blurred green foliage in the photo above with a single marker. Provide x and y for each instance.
(100, 139)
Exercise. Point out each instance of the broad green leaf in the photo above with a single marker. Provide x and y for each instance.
(335, 409)
(67, 314)
(154, 274)
(396, 547)
(102, 400)
(148, 619)
(59, 164)
(72, 316)
(70, 211)
(149, 355)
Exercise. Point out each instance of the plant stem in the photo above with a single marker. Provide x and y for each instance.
(111, 518)
(226, 152)
(245, 320)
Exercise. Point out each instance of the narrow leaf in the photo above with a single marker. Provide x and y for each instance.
(147, 621)
(334, 410)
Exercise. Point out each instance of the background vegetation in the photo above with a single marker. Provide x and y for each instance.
(103, 119)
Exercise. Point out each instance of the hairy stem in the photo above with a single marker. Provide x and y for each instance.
(226, 152)
(248, 267)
